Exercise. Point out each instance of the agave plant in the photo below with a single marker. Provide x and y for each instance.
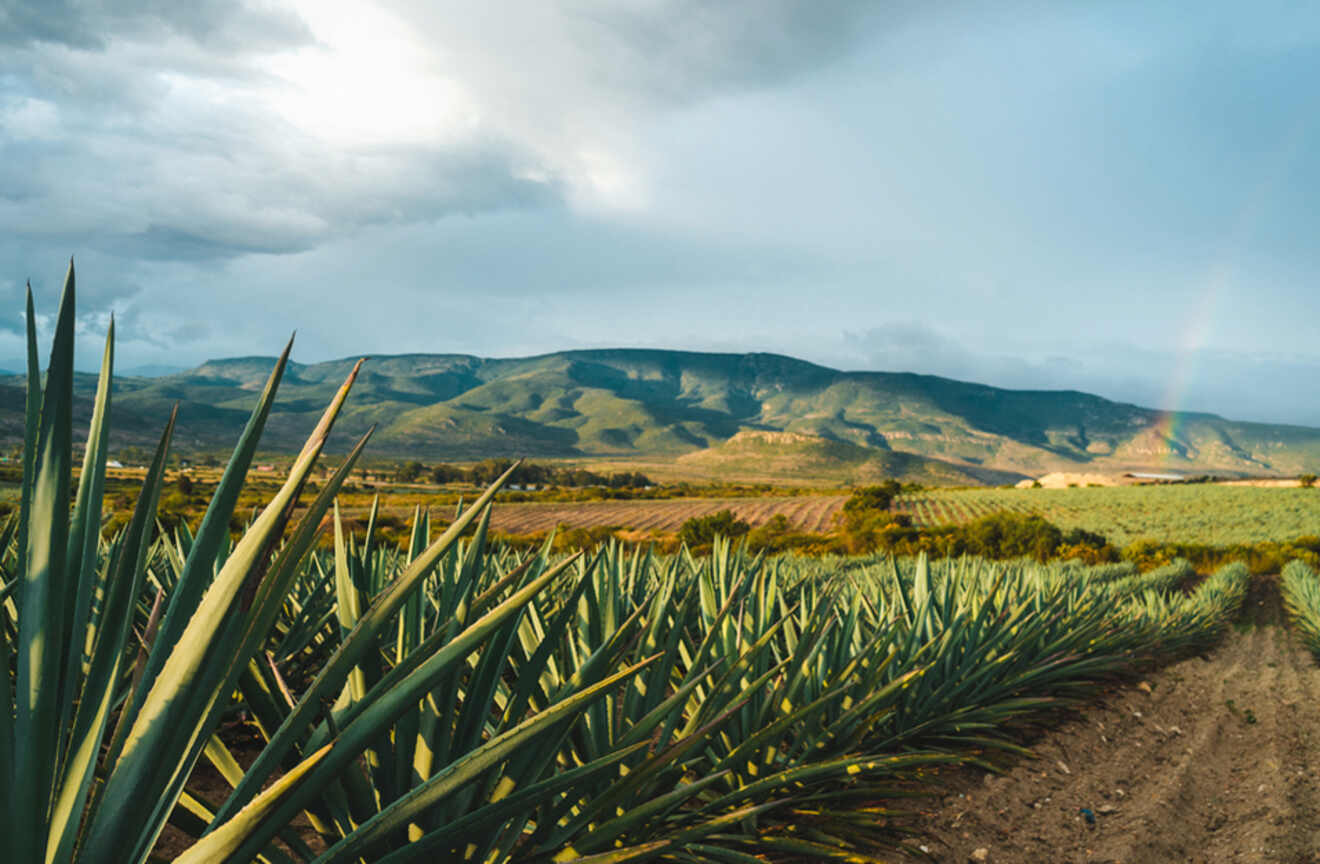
(77, 786)
(1300, 588)
(95, 748)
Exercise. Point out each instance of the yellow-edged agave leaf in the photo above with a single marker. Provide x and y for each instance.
(85, 529)
(237, 648)
(8, 807)
(213, 531)
(121, 589)
(348, 605)
(604, 835)
(169, 723)
(44, 607)
(399, 692)
(221, 843)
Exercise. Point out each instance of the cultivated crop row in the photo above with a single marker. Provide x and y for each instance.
(1196, 513)
(1300, 587)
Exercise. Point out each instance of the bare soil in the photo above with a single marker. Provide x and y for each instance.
(805, 512)
(1211, 759)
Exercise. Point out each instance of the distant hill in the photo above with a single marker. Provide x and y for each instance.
(729, 412)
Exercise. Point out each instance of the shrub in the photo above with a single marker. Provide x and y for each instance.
(871, 498)
(702, 530)
(1010, 535)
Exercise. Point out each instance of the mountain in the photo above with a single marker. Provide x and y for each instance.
(716, 411)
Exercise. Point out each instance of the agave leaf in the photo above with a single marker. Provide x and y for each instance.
(43, 604)
(85, 530)
(108, 652)
(8, 807)
(213, 532)
(605, 834)
(169, 728)
(221, 843)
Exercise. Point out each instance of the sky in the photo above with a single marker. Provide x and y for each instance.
(1111, 197)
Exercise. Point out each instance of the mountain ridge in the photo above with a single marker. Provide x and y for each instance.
(660, 404)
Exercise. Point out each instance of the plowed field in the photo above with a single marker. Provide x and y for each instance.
(807, 512)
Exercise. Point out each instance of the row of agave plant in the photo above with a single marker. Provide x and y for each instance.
(1299, 585)
(459, 701)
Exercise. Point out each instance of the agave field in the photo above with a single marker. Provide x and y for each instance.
(451, 699)
(1194, 513)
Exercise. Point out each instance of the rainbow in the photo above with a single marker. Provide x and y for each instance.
(1193, 338)
(1200, 326)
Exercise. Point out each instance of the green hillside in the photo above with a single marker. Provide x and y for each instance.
(671, 404)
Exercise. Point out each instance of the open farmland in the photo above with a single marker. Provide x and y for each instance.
(1201, 513)
(1197, 513)
(806, 512)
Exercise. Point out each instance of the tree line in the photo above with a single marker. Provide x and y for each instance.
(528, 474)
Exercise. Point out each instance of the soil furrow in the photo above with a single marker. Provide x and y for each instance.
(1211, 759)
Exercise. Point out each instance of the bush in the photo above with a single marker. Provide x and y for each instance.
(872, 498)
(1082, 537)
(702, 530)
(1307, 480)
(1011, 535)
(779, 535)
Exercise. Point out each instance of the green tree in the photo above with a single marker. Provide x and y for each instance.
(410, 472)
(872, 498)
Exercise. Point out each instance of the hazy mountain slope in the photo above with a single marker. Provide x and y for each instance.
(673, 403)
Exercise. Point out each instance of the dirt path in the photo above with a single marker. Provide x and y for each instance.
(1218, 762)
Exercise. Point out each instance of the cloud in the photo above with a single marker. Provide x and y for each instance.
(93, 25)
(219, 129)
(684, 50)
(100, 290)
